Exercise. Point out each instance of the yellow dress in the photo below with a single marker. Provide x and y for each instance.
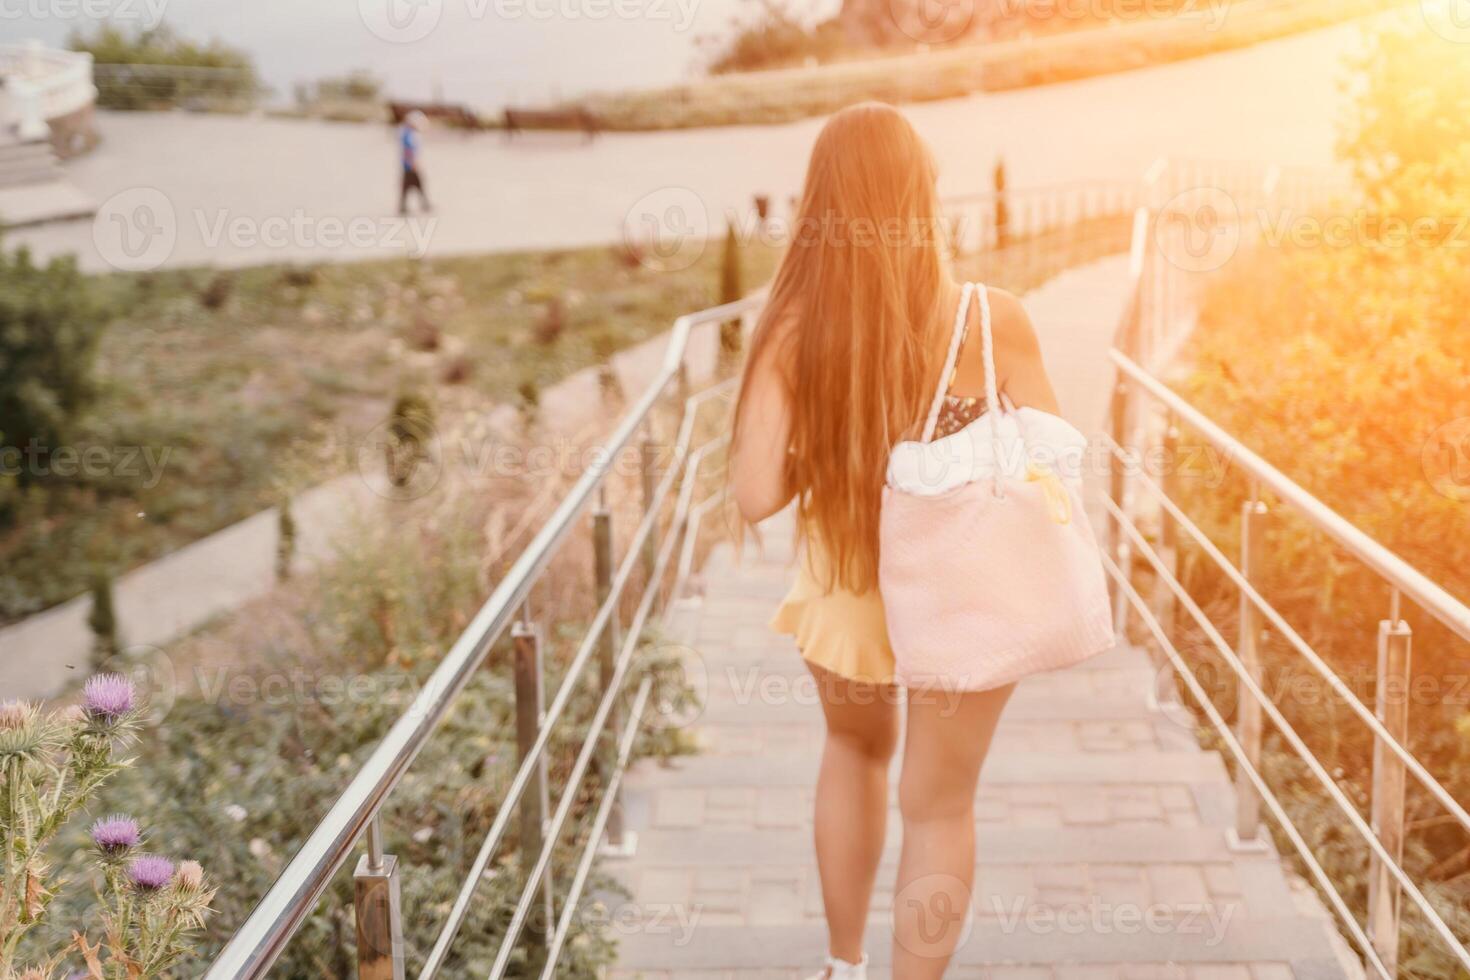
(844, 631)
(839, 630)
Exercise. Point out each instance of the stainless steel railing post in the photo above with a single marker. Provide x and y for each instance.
(1117, 491)
(536, 801)
(1164, 602)
(1392, 708)
(607, 646)
(378, 909)
(1253, 516)
(647, 472)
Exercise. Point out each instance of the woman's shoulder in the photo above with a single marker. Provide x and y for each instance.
(1010, 323)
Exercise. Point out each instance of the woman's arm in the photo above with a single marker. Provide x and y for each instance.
(762, 435)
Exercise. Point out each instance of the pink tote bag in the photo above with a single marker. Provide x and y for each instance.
(988, 567)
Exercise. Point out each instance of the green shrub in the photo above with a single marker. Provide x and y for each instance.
(102, 620)
(216, 292)
(143, 87)
(285, 539)
(730, 291)
(49, 328)
(410, 431)
(1337, 365)
(243, 768)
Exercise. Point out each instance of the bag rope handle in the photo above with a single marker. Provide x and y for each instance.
(956, 338)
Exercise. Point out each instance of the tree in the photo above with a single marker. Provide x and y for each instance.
(285, 539)
(730, 291)
(142, 69)
(1002, 208)
(1410, 123)
(49, 327)
(102, 620)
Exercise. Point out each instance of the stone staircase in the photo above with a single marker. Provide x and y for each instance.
(1101, 827)
(27, 162)
(33, 189)
(1101, 824)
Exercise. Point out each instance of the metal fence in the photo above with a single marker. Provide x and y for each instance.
(198, 88)
(1148, 525)
(996, 219)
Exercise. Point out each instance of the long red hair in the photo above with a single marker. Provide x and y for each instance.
(852, 320)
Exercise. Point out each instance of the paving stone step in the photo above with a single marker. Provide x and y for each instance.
(798, 768)
(1300, 943)
(1014, 734)
(1114, 971)
(1030, 703)
(998, 845)
(1058, 807)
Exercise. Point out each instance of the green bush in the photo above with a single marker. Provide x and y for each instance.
(49, 328)
(730, 291)
(102, 620)
(1338, 365)
(243, 767)
(136, 68)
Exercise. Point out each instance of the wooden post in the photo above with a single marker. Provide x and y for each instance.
(649, 463)
(607, 649)
(535, 802)
(1164, 601)
(1118, 491)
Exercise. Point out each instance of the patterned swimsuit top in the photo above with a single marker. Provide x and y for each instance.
(958, 411)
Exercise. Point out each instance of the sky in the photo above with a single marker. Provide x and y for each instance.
(484, 53)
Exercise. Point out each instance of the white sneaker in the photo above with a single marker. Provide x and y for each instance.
(842, 970)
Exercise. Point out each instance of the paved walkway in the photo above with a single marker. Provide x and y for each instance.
(1097, 813)
(216, 190)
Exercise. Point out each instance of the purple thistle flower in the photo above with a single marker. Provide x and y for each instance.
(108, 697)
(116, 834)
(150, 872)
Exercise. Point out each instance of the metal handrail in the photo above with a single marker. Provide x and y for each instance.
(1334, 792)
(1242, 759)
(585, 650)
(1425, 593)
(1137, 335)
(1242, 582)
(264, 935)
(604, 709)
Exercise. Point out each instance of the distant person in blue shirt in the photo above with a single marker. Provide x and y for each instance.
(408, 146)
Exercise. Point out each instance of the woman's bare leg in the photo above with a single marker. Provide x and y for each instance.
(852, 802)
(945, 743)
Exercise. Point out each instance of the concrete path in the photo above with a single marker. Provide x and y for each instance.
(183, 190)
(1101, 823)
